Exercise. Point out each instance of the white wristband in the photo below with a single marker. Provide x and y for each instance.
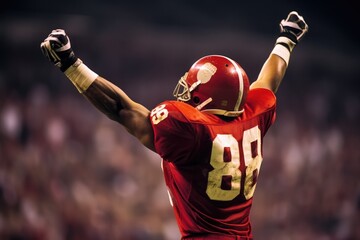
(80, 75)
(282, 52)
(287, 41)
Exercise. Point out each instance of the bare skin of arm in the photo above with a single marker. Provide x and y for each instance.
(115, 104)
(271, 74)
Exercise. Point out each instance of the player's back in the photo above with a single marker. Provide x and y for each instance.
(211, 165)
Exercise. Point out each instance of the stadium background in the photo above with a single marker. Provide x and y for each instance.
(67, 172)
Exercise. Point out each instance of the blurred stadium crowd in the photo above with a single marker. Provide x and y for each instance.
(67, 172)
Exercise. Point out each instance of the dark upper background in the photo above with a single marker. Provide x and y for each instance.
(156, 41)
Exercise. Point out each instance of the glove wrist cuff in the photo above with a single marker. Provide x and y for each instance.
(65, 64)
(80, 75)
(286, 42)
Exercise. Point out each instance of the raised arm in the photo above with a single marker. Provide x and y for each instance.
(103, 94)
(114, 103)
(292, 29)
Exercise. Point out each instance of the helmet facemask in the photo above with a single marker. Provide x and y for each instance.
(182, 91)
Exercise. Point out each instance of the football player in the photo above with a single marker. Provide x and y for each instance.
(210, 138)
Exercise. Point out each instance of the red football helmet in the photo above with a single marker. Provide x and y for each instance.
(214, 84)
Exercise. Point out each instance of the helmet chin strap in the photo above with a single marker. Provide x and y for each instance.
(203, 104)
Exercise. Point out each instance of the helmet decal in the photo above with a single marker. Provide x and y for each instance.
(206, 72)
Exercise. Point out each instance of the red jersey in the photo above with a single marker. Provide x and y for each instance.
(211, 164)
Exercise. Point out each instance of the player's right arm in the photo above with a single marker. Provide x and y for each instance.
(103, 94)
(115, 104)
(292, 29)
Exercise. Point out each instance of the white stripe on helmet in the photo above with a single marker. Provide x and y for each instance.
(241, 83)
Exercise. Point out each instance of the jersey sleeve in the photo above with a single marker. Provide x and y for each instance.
(174, 135)
(261, 102)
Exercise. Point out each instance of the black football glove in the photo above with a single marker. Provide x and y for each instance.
(293, 29)
(57, 48)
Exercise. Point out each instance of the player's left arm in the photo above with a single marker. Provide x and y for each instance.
(292, 29)
(103, 94)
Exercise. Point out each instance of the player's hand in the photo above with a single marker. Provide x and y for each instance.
(57, 49)
(293, 27)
